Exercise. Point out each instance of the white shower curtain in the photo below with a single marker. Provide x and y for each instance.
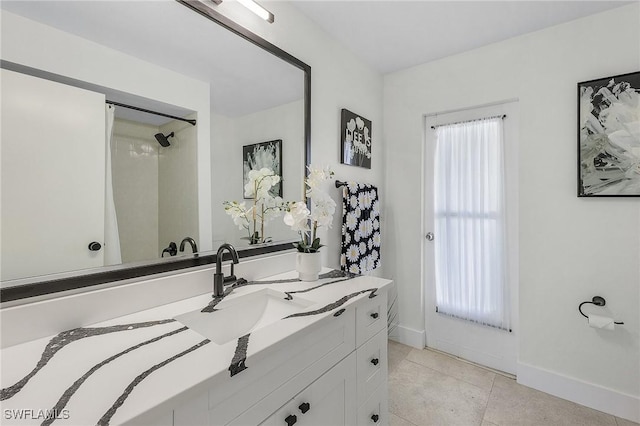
(470, 262)
(112, 255)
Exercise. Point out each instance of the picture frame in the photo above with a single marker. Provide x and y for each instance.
(355, 139)
(263, 154)
(608, 142)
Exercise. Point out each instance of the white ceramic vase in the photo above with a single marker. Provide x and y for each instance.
(308, 266)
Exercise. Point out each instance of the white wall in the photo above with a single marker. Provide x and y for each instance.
(338, 80)
(178, 186)
(570, 249)
(225, 177)
(135, 188)
(32, 44)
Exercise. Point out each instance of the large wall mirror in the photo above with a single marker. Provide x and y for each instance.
(125, 126)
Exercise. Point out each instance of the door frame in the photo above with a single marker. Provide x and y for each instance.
(482, 335)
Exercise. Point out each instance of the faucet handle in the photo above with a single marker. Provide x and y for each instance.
(229, 279)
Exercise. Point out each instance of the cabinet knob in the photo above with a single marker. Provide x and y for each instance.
(375, 418)
(291, 420)
(375, 361)
(304, 407)
(374, 315)
(94, 246)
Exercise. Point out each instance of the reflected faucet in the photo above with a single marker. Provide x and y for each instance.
(192, 243)
(172, 249)
(219, 278)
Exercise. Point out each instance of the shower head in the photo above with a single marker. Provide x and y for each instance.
(164, 140)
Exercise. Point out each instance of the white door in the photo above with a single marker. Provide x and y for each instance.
(53, 176)
(485, 345)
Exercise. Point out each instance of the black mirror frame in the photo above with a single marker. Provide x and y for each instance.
(50, 286)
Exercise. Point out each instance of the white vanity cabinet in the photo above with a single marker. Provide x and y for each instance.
(333, 373)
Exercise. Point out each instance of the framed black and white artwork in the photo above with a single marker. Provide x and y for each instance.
(355, 140)
(609, 136)
(263, 154)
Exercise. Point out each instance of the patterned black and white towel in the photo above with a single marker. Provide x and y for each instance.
(360, 228)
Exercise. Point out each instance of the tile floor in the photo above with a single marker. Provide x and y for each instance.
(430, 388)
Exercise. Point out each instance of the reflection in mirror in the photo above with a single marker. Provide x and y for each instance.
(154, 186)
(63, 189)
(233, 133)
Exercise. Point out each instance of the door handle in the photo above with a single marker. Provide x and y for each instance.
(94, 246)
(429, 236)
(291, 420)
(304, 407)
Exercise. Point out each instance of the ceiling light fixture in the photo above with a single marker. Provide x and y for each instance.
(258, 10)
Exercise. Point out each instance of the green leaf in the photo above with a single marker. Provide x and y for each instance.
(316, 244)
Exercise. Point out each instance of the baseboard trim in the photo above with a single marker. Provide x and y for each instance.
(408, 336)
(593, 396)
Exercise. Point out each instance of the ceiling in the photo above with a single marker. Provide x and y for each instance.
(392, 35)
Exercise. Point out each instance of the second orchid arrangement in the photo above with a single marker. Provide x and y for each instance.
(306, 222)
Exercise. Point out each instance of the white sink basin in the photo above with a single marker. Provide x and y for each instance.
(237, 316)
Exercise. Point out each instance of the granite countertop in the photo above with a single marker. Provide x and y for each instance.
(114, 371)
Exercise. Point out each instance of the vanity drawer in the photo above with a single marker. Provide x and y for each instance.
(371, 317)
(372, 366)
(375, 411)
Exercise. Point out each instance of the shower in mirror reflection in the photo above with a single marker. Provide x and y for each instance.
(155, 185)
(164, 139)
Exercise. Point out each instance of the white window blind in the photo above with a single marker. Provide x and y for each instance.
(470, 264)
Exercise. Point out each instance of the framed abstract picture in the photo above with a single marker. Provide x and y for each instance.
(609, 136)
(263, 154)
(355, 140)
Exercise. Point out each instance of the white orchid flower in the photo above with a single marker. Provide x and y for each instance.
(297, 217)
(323, 210)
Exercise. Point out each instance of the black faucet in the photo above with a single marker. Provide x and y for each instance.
(192, 243)
(218, 278)
(172, 249)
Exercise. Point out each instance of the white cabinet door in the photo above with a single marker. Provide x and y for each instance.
(371, 317)
(330, 400)
(372, 366)
(53, 176)
(375, 411)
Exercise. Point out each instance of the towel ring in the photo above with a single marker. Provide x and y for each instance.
(598, 301)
